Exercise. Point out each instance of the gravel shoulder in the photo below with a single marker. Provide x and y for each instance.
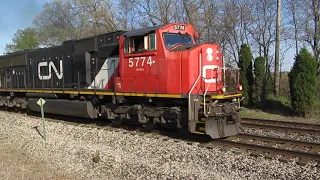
(70, 149)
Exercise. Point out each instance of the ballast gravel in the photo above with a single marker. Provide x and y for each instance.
(69, 149)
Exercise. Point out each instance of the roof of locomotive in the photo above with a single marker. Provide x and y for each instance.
(142, 31)
(72, 41)
(135, 32)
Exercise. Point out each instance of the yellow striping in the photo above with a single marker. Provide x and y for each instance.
(225, 96)
(197, 132)
(203, 119)
(92, 93)
(112, 93)
(201, 129)
(150, 95)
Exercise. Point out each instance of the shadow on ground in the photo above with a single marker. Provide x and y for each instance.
(277, 107)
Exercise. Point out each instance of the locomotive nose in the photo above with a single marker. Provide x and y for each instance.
(212, 68)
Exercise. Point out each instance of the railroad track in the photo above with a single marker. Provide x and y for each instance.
(270, 147)
(284, 126)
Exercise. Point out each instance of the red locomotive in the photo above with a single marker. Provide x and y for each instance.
(151, 76)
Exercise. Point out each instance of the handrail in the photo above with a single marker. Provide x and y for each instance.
(193, 86)
(204, 100)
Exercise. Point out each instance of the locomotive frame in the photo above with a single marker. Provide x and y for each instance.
(86, 78)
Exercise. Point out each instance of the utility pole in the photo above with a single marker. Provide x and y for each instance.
(277, 49)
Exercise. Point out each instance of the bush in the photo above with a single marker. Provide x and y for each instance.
(246, 75)
(258, 94)
(303, 83)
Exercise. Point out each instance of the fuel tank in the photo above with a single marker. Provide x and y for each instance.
(65, 107)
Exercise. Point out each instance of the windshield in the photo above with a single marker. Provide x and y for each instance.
(172, 39)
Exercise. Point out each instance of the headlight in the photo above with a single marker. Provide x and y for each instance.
(240, 88)
(223, 89)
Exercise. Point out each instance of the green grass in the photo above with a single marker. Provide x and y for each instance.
(279, 109)
(283, 100)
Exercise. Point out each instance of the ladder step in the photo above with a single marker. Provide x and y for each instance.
(197, 132)
(202, 129)
(200, 122)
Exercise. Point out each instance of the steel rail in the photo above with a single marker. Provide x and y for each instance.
(282, 125)
(278, 140)
(285, 123)
(269, 149)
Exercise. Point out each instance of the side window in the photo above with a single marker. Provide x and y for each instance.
(126, 45)
(138, 43)
(152, 41)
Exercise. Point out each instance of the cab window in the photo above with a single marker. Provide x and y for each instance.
(140, 44)
(152, 41)
(172, 39)
(127, 45)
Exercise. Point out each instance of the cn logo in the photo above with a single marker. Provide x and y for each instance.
(204, 73)
(51, 66)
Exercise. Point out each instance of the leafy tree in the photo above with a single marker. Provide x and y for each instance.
(258, 95)
(23, 39)
(246, 75)
(62, 20)
(303, 82)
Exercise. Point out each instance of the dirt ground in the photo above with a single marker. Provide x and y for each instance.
(16, 165)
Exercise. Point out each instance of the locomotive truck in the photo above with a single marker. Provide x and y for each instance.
(154, 76)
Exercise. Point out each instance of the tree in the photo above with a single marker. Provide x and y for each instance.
(311, 23)
(303, 82)
(277, 52)
(246, 76)
(293, 8)
(258, 94)
(62, 20)
(23, 39)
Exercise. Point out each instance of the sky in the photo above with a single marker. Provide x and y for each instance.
(18, 14)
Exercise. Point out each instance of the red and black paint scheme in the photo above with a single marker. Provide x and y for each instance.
(155, 76)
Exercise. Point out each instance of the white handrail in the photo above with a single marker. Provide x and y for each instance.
(204, 100)
(193, 86)
(224, 72)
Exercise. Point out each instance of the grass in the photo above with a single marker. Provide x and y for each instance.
(279, 109)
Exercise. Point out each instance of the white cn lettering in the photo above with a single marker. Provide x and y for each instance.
(51, 66)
